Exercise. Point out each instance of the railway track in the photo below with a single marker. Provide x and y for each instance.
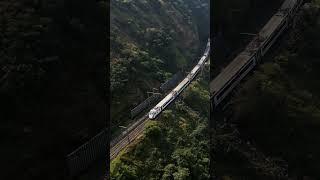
(256, 50)
(118, 144)
(130, 135)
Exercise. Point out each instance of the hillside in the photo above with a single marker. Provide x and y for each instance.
(151, 41)
(176, 145)
(276, 111)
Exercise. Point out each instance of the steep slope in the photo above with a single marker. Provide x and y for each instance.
(174, 147)
(150, 41)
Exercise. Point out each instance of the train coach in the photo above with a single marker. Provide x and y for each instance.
(154, 112)
(230, 76)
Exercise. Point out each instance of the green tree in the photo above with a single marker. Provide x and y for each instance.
(181, 174)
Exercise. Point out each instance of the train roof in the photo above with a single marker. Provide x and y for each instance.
(270, 26)
(274, 21)
(164, 100)
(195, 68)
(288, 4)
(181, 84)
(227, 73)
(170, 95)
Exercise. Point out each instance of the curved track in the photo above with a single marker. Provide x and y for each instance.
(118, 144)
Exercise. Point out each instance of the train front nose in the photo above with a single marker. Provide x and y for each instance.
(151, 115)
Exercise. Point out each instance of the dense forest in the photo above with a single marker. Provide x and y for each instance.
(149, 42)
(176, 145)
(52, 83)
(272, 129)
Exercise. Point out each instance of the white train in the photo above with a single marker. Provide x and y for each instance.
(154, 112)
(230, 76)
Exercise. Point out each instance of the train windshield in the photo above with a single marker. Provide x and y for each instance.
(152, 113)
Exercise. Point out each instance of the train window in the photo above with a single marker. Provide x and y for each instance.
(168, 102)
(226, 88)
(165, 104)
(246, 66)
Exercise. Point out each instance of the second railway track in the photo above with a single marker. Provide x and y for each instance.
(118, 144)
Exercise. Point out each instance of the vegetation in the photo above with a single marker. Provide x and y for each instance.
(150, 41)
(175, 146)
(277, 110)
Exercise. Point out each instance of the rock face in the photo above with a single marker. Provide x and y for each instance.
(150, 41)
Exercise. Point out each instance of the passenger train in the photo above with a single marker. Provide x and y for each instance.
(154, 112)
(230, 76)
